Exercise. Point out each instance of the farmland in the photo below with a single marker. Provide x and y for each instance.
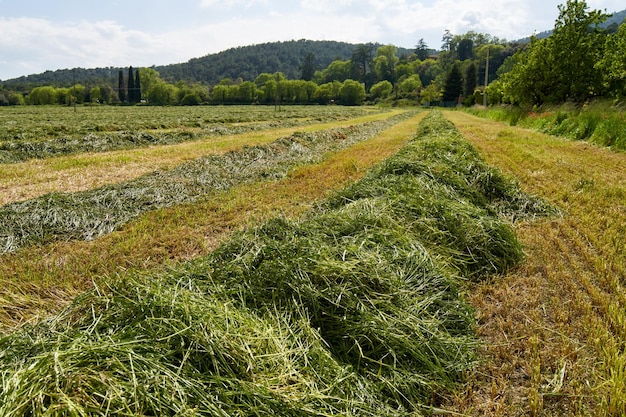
(313, 261)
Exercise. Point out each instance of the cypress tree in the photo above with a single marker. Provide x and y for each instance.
(453, 86)
(131, 86)
(470, 79)
(137, 86)
(121, 91)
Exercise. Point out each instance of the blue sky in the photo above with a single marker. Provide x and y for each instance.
(40, 35)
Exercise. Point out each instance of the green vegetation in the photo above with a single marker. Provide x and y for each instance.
(349, 309)
(579, 61)
(599, 122)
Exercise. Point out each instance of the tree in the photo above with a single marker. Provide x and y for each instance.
(470, 79)
(446, 40)
(465, 49)
(381, 90)
(362, 62)
(421, 50)
(453, 86)
(430, 94)
(385, 63)
(94, 95)
(137, 87)
(561, 67)
(352, 93)
(43, 95)
(121, 88)
(613, 64)
(161, 93)
(338, 70)
(308, 67)
(149, 77)
(410, 86)
(327, 93)
(131, 86)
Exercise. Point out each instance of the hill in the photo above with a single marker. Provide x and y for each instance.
(245, 62)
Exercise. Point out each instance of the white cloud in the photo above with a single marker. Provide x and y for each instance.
(229, 4)
(35, 45)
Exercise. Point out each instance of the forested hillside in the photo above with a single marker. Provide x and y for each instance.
(248, 62)
(245, 62)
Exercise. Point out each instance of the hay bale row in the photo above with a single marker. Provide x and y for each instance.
(353, 309)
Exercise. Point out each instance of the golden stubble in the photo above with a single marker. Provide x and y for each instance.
(554, 328)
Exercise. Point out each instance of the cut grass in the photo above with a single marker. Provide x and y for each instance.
(30, 179)
(555, 327)
(342, 311)
(40, 279)
(46, 131)
(90, 214)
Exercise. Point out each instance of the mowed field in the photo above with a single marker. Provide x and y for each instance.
(41, 278)
(552, 330)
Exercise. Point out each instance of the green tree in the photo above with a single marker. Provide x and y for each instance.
(161, 93)
(381, 90)
(613, 64)
(338, 70)
(131, 86)
(453, 86)
(121, 87)
(94, 95)
(149, 77)
(385, 63)
(352, 93)
(410, 87)
(43, 96)
(328, 92)
(137, 87)
(465, 49)
(561, 67)
(470, 79)
(361, 61)
(430, 94)
(308, 67)
(246, 92)
(421, 50)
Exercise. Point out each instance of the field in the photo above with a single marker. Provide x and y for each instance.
(555, 328)
(312, 261)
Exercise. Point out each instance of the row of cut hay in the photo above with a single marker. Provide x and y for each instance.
(22, 150)
(49, 131)
(90, 214)
(353, 309)
(32, 123)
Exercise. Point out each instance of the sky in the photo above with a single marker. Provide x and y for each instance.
(40, 35)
